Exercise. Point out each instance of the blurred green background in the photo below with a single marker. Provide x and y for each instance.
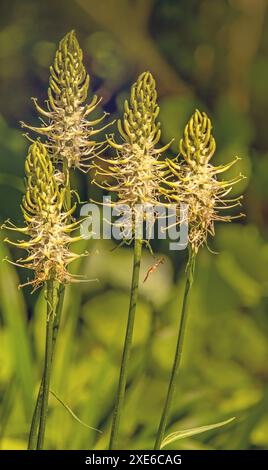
(203, 53)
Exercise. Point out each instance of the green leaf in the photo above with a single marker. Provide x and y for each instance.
(14, 313)
(73, 414)
(192, 432)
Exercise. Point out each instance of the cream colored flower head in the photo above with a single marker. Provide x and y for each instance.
(46, 223)
(195, 181)
(135, 174)
(70, 136)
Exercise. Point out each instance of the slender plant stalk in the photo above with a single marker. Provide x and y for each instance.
(127, 345)
(51, 310)
(32, 442)
(56, 323)
(178, 353)
(68, 195)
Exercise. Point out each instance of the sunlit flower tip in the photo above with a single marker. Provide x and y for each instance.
(135, 173)
(193, 181)
(46, 223)
(70, 135)
(198, 144)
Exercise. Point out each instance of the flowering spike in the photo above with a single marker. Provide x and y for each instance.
(135, 174)
(46, 222)
(195, 181)
(68, 131)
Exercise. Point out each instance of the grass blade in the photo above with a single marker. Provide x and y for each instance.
(175, 436)
(73, 414)
(15, 319)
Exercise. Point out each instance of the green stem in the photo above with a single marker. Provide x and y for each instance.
(51, 310)
(56, 323)
(68, 195)
(178, 352)
(32, 442)
(127, 345)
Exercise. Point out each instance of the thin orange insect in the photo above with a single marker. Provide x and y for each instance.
(153, 268)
